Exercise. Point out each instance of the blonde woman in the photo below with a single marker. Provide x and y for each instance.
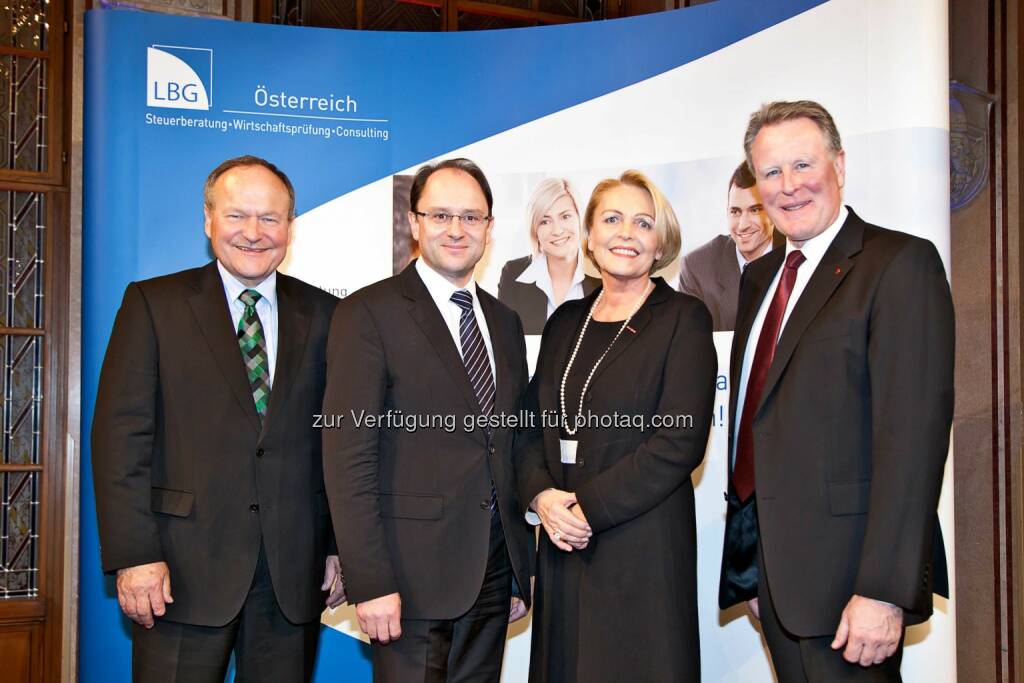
(630, 372)
(534, 286)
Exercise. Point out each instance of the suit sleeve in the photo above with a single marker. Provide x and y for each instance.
(910, 360)
(531, 466)
(503, 282)
(123, 430)
(688, 282)
(648, 475)
(356, 382)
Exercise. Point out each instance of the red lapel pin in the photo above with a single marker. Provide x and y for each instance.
(838, 270)
(631, 330)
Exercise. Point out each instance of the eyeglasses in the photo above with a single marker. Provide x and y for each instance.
(469, 220)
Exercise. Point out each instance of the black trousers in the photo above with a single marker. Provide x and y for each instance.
(812, 660)
(267, 646)
(464, 650)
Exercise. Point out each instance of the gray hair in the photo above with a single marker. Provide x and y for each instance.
(772, 113)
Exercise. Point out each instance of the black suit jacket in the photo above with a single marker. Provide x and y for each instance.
(180, 459)
(412, 506)
(851, 433)
(634, 486)
(526, 298)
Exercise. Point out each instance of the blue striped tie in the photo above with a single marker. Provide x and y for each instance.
(474, 353)
(478, 364)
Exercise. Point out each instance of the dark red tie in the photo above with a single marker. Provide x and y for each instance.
(743, 470)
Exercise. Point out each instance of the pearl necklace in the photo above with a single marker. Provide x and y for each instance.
(571, 431)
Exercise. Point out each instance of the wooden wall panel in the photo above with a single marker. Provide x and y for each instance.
(21, 653)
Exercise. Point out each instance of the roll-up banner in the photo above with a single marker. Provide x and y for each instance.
(350, 115)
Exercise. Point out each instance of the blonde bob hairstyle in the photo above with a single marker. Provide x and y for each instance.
(547, 192)
(666, 225)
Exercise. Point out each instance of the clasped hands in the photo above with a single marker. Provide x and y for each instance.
(869, 630)
(563, 519)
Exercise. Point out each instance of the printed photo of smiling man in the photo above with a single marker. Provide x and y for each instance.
(711, 272)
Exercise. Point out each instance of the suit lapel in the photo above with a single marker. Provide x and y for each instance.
(835, 265)
(424, 311)
(562, 339)
(754, 284)
(566, 342)
(729, 272)
(500, 343)
(209, 305)
(293, 319)
(640, 320)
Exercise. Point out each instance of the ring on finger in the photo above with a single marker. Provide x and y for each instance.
(558, 535)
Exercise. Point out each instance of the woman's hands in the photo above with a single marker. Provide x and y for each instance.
(563, 519)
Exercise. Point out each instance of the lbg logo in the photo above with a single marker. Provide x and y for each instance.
(179, 77)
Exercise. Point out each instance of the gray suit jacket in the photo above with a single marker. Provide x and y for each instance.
(711, 273)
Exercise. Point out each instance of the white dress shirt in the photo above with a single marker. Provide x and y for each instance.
(441, 291)
(266, 309)
(742, 262)
(537, 274)
(813, 250)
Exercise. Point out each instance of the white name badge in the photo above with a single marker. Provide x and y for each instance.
(568, 449)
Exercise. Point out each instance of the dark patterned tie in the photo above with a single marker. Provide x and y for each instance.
(478, 365)
(743, 470)
(254, 351)
(474, 353)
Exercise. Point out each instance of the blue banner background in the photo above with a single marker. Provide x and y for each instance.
(438, 92)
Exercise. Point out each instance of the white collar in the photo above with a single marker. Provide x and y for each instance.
(814, 248)
(537, 272)
(267, 288)
(438, 285)
(739, 257)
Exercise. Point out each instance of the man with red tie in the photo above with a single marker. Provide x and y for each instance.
(842, 368)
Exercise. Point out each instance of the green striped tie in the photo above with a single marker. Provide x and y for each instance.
(254, 351)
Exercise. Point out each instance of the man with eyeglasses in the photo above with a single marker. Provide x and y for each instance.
(430, 531)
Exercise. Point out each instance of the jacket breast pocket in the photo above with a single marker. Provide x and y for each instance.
(849, 497)
(829, 330)
(171, 502)
(411, 506)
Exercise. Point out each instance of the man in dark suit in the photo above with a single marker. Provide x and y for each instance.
(429, 524)
(842, 369)
(209, 484)
(711, 272)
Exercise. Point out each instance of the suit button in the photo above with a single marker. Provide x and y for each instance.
(259, 452)
(485, 505)
(490, 449)
(254, 507)
(580, 462)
